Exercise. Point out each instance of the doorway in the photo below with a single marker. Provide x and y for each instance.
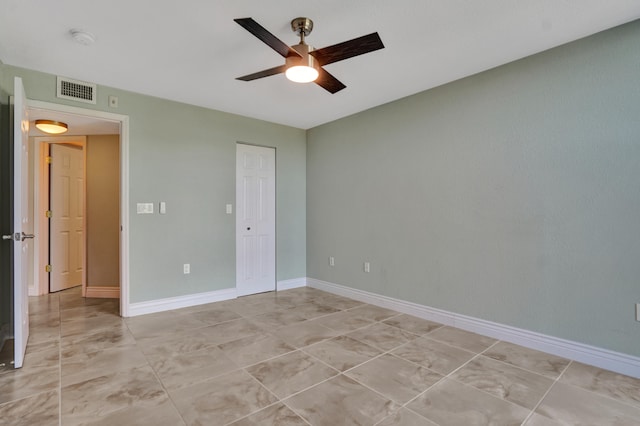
(78, 206)
(85, 119)
(255, 219)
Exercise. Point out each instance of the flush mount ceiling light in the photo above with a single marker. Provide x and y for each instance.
(52, 127)
(82, 37)
(303, 64)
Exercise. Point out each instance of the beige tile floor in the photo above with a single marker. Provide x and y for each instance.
(298, 357)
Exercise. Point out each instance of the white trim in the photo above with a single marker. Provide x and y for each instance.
(124, 184)
(178, 302)
(603, 358)
(293, 283)
(124, 216)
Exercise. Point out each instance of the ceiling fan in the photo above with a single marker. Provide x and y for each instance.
(303, 64)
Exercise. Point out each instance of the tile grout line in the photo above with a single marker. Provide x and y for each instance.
(593, 392)
(278, 399)
(319, 360)
(533, 411)
(383, 353)
(448, 376)
(482, 390)
(608, 397)
(269, 359)
(526, 369)
(155, 374)
(401, 406)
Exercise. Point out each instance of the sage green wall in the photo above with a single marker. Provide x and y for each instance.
(185, 155)
(511, 196)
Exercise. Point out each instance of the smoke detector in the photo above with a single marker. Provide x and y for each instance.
(82, 36)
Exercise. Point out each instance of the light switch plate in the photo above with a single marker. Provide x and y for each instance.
(637, 311)
(163, 207)
(229, 208)
(144, 208)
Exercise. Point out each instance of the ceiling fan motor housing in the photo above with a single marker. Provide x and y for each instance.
(304, 60)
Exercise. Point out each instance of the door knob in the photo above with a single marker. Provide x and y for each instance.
(7, 237)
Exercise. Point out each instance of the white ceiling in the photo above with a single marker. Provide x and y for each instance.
(79, 125)
(191, 50)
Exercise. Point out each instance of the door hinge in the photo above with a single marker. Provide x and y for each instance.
(47, 159)
(47, 268)
(47, 213)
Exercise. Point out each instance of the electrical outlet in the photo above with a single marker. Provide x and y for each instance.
(367, 267)
(332, 261)
(186, 268)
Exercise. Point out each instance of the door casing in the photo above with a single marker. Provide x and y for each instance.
(123, 120)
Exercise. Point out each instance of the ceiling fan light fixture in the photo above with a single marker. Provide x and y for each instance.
(301, 74)
(303, 68)
(52, 127)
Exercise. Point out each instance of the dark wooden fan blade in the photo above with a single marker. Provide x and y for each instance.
(329, 82)
(348, 49)
(269, 39)
(263, 73)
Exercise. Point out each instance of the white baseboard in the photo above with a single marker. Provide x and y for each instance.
(178, 302)
(603, 358)
(170, 303)
(289, 284)
(102, 292)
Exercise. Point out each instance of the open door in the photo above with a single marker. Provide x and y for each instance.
(21, 240)
(66, 204)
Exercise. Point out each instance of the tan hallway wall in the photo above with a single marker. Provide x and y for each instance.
(103, 208)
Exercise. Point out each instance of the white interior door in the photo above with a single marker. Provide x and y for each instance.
(66, 229)
(21, 240)
(255, 219)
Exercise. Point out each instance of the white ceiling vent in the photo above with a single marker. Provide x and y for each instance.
(75, 90)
